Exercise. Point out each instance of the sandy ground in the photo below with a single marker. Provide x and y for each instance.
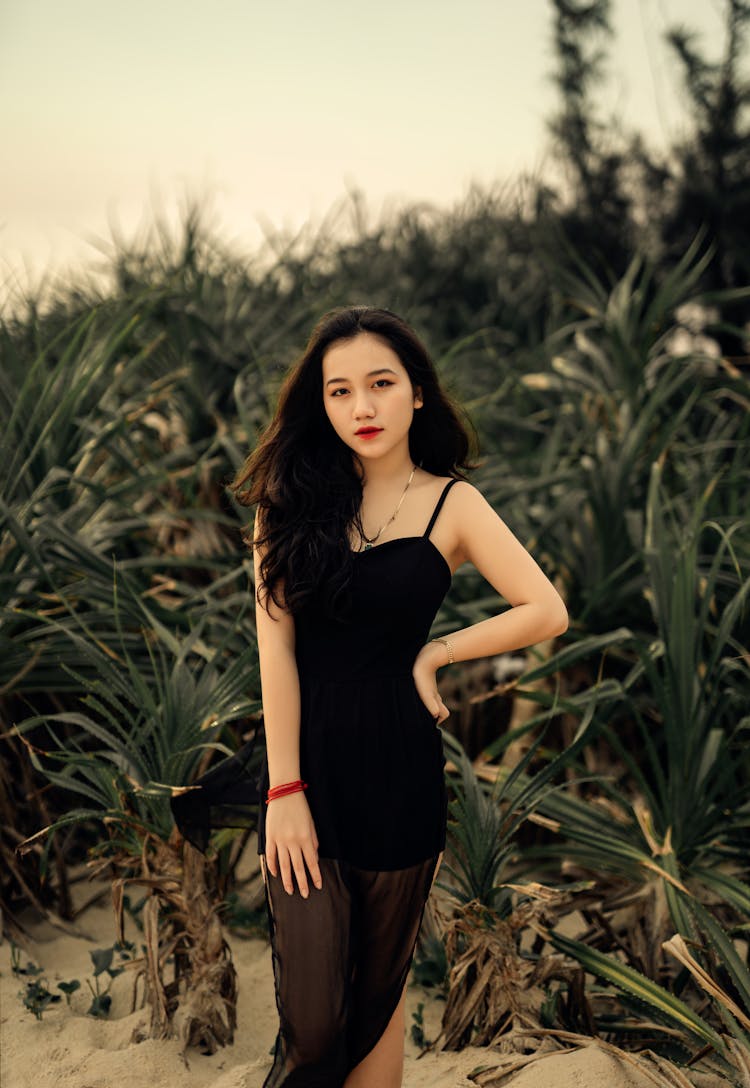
(69, 1049)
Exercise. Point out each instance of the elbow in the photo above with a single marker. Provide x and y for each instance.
(556, 617)
(561, 620)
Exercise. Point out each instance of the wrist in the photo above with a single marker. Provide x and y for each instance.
(446, 650)
(434, 655)
(275, 780)
(275, 793)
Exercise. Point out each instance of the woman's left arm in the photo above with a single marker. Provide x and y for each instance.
(538, 612)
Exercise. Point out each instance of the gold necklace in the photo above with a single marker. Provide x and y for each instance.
(369, 541)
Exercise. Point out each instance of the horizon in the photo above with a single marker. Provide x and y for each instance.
(403, 111)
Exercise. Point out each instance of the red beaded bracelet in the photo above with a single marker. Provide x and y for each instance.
(285, 788)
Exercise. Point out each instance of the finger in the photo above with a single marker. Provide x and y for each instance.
(311, 857)
(286, 871)
(299, 870)
(271, 857)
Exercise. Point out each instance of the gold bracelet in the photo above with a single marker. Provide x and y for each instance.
(448, 646)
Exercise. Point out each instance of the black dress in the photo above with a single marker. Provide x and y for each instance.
(373, 759)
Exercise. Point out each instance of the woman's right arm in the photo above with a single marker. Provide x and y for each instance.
(291, 840)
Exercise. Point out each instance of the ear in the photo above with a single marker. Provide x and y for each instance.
(418, 398)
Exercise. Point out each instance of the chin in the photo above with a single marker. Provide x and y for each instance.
(374, 455)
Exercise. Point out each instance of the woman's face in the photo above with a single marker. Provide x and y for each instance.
(367, 389)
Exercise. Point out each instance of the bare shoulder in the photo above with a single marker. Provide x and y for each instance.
(474, 525)
(437, 484)
(465, 497)
(463, 512)
(484, 539)
(463, 487)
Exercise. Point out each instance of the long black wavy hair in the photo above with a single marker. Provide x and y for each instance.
(304, 478)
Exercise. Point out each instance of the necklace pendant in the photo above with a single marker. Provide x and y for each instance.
(367, 547)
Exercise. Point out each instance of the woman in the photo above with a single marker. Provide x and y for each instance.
(363, 514)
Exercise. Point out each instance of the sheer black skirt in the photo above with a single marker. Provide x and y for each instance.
(341, 959)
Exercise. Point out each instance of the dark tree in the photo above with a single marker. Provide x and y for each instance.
(596, 210)
(713, 164)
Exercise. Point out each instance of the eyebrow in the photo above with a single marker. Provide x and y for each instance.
(370, 374)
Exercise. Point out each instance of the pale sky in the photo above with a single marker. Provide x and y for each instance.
(275, 108)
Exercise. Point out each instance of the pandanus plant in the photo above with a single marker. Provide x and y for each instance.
(138, 739)
(667, 843)
(683, 816)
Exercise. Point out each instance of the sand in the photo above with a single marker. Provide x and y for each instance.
(70, 1049)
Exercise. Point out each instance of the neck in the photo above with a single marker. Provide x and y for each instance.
(383, 473)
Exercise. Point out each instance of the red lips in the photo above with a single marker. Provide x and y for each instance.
(369, 430)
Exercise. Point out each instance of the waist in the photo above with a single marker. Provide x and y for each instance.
(313, 678)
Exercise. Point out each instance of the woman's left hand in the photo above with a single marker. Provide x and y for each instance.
(424, 671)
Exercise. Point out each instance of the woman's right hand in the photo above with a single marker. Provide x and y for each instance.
(291, 842)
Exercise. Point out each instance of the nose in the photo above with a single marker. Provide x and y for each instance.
(362, 405)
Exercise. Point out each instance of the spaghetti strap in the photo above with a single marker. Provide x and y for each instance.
(440, 502)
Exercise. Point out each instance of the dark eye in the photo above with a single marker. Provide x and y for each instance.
(341, 389)
(385, 381)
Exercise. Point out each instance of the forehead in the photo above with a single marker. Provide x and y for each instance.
(354, 358)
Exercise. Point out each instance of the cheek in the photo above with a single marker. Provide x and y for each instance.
(329, 407)
(407, 405)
